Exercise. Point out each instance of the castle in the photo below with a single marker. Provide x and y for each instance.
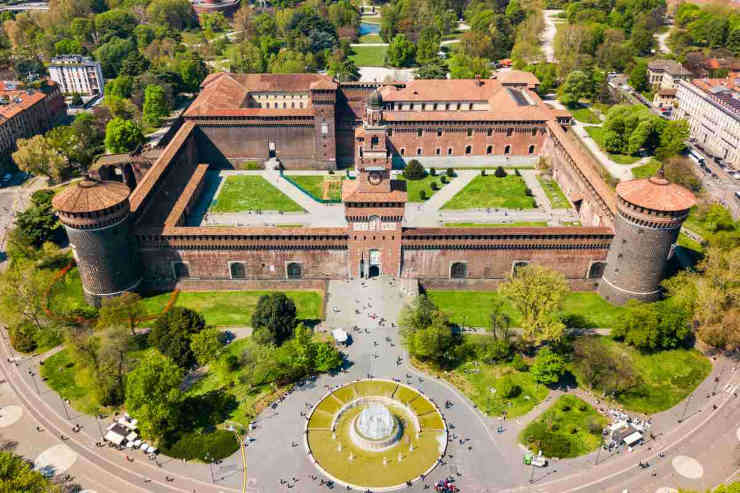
(127, 236)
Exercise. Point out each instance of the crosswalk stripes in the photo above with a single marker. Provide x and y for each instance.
(730, 388)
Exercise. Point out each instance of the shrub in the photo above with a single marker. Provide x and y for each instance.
(423, 195)
(414, 170)
(450, 172)
(434, 186)
(518, 363)
(509, 389)
(516, 172)
(594, 427)
(483, 172)
(215, 446)
(444, 179)
(528, 192)
(433, 171)
(22, 338)
(500, 173)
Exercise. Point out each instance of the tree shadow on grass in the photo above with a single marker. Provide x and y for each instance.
(207, 410)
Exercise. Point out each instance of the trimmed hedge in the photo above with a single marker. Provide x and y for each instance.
(215, 445)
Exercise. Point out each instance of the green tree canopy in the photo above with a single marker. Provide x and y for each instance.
(206, 345)
(576, 87)
(156, 106)
(177, 14)
(426, 332)
(274, 318)
(18, 475)
(548, 366)
(463, 66)
(122, 135)
(401, 52)
(172, 333)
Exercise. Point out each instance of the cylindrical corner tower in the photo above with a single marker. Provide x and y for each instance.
(96, 216)
(649, 216)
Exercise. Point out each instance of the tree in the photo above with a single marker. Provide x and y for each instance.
(426, 332)
(121, 311)
(177, 14)
(548, 366)
(156, 106)
(639, 77)
(172, 332)
(289, 62)
(343, 69)
(463, 66)
(414, 170)
(537, 292)
(112, 365)
(274, 318)
(18, 474)
(122, 135)
(401, 52)
(134, 64)
(575, 88)
(22, 294)
(206, 345)
(433, 70)
(327, 358)
(609, 370)
(653, 326)
(192, 70)
(119, 87)
(500, 321)
(114, 23)
(38, 224)
(245, 57)
(153, 394)
(427, 46)
(673, 138)
(112, 54)
(38, 156)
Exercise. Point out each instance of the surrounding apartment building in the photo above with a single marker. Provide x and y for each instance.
(665, 74)
(77, 74)
(712, 108)
(27, 112)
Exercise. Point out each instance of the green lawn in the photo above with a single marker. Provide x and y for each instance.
(667, 376)
(67, 294)
(414, 187)
(62, 375)
(597, 133)
(370, 38)
(585, 115)
(554, 194)
(646, 170)
(489, 191)
(521, 224)
(687, 242)
(472, 308)
(369, 56)
(234, 308)
(314, 184)
(251, 193)
(568, 428)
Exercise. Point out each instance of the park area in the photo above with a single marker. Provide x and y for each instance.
(597, 133)
(489, 191)
(320, 187)
(369, 56)
(241, 193)
(414, 188)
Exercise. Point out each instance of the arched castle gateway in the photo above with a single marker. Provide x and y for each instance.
(309, 120)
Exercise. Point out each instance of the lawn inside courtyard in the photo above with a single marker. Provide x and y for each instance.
(369, 56)
(414, 187)
(667, 377)
(597, 134)
(555, 195)
(241, 193)
(320, 187)
(568, 428)
(508, 192)
(582, 309)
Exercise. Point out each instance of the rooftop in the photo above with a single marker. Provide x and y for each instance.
(90, 195)
(14, 100)
(656, 193)
(670, 66)
(724, 91)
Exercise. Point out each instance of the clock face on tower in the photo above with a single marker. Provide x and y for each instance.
(375, 177)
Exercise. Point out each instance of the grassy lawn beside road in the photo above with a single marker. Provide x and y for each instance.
(667, 377)
(234, 308)
(251, 193)
(597, 134)
(585, 115)
(555, 195)
(489, 191)
(568, 428)
(473, 308)
(646, 170)
(414, 187)
(369, 56)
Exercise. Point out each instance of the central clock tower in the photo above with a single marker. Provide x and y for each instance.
(374, 203)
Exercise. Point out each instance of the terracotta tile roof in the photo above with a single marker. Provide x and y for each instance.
(146, 185)
(18, 100)
(90, 195)
(228, 91)
(524, 231)
(350, 193)
(517, 77)
(442, 90)
(657, 194)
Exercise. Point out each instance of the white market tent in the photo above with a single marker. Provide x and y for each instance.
(340, 335)
(114, 437)
(635, 437)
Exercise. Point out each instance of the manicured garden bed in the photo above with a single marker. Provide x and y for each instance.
(251, 193)
(489, 191)
(234, 308)
(568, 428)
(554, 194)
(414, 187)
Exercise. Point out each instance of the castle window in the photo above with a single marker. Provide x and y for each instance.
(324, 129)
(596, 270)
(238, 270)
(390, 132)
(438, 151)
(507, 149)
(458, 270)
(439, 132)
(470, 132)
(418, 151)
(518, 264)
(468, 149)
(489, 132)
(531, 149)
(534, 132)
(489, 149)
(509, 132)
(449, 151)
(294, 270)
(403, 151)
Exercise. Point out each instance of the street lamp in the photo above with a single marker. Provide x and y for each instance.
(210, 467)
(98, 417)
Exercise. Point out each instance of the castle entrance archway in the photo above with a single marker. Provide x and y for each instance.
(374, 269)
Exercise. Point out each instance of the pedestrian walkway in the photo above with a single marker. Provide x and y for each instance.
(427, 213)
(530, 178)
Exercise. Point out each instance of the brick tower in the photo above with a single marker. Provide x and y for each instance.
(374, 204)
(97, 219)
(649, 216)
